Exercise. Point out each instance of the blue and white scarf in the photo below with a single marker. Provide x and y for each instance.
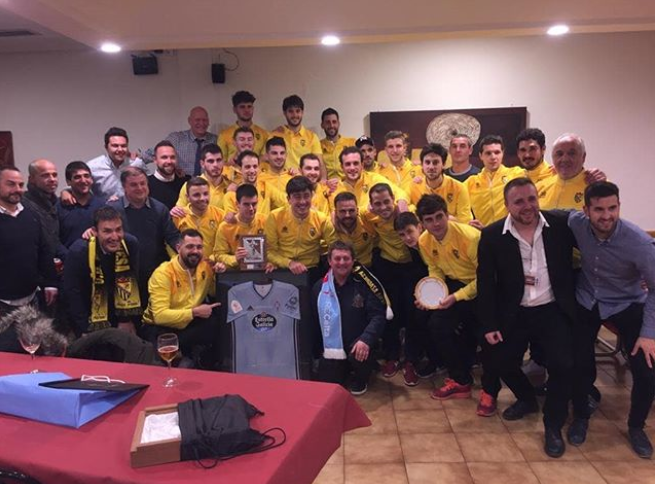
(329, 315)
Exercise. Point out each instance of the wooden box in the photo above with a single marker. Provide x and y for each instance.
(161, 452)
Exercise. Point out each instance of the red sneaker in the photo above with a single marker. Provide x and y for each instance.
(486, 405)
(390, 368)
(409, 375)
(451, 389)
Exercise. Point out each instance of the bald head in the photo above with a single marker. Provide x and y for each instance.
(43, 175)
(198, 121)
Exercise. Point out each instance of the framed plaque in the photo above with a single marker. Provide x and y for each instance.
(430, 291)
(255, 246)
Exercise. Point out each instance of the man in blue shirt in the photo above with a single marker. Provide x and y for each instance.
(617, 257)
(75, 219)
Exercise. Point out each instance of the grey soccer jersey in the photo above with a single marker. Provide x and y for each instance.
(264, 329)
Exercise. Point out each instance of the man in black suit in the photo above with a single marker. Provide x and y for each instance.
(526, 293)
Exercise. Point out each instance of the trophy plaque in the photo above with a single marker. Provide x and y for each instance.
(255, 259)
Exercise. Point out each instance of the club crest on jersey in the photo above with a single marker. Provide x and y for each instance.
(365, 236)
(264, 322)
(578, 197)
(358, 301)
(236, 307)
(303, 142)
(312, 232)
(284, 230)
(504, 180)
(450, 198)
(212, 224)
(456, 253)
(291, 304)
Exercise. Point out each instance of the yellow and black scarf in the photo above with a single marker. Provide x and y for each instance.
(126, 289)
(375, 286)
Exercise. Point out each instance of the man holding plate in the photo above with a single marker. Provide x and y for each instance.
(450, 251)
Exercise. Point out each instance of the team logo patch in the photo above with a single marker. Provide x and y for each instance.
(264, 322)
(504, 180)
(291, 304)
(236, 307)
(435, 252)
(456, 253)
(365, 187)
(260, 231)
(358, 301)
(212, 224)
(312, 232)
(578, 197)
(303, 142)
(365, 236)
(542, 194)
(450, 198)
(284, 230)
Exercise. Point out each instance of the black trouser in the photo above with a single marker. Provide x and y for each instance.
(419, 341)
(337, 371)
(199, 332)
(550, 328)
(396, 280)
(628, 322)
(451, 329)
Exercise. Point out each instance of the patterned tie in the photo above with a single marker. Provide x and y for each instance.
(196, 165)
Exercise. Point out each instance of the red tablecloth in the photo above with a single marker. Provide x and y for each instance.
(313, 415)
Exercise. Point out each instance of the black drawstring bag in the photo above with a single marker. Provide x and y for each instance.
(218, 428)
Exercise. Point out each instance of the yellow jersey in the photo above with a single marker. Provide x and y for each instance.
(486, 192)
(455, 257)
(226, 140)
(216, 193)
(362, 186)
(277, 180)
(402, 176)
(175, 291)
(362, 239)
(207, 224)
(268, 198)
(331, 152)
(391, 245)
(229, 238)
(565, 194)
(300, 143)
(542, 176)
(452, 191)
(291, 239)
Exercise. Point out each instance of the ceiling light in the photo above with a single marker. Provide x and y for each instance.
(110, 48)
(330, 40)
(558, 30)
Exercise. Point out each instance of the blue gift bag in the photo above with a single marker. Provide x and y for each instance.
(21, 395)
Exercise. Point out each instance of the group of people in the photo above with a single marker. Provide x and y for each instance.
(533, 256)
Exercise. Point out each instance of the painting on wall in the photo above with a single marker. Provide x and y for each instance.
(422, 127)
(6, 149)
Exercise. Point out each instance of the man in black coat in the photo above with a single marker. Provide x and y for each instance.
(526, 293)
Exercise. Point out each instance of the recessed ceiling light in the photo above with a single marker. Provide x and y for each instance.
(110, 48)
(330, 40)
(558, 30)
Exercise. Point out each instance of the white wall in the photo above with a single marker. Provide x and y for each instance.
(58, 105)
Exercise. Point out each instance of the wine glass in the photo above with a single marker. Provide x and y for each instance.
(168, 347)
(30, 341)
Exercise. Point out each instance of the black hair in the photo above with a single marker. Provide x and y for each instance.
(601, 189)
(429, 204)
(115, 132)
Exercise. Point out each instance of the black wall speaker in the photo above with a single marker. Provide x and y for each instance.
(218, 73)
(144, 66)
